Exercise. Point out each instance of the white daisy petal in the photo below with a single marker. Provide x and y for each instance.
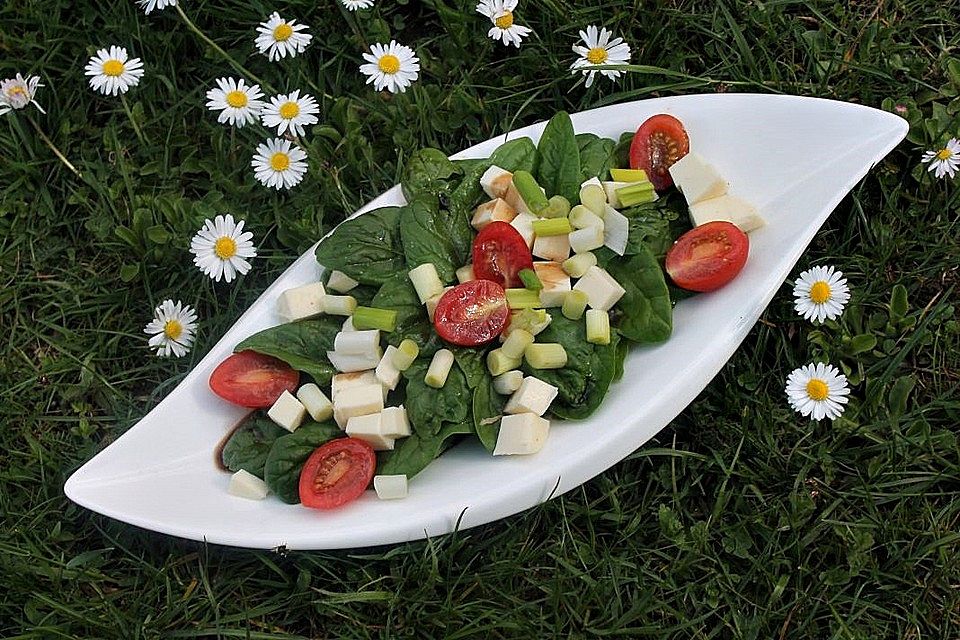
(218, 248)
(279, 37)
(945, 161)
(112, 73)
(279, 165)
(150, 5)
(237, 103)
(291, 113)
(600, 50)
(353, 5)
(820, 293)
(18, 92)
(393, 67)
(818, 390)
(172, 328)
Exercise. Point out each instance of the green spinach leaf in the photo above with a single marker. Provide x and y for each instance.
(302, 344)
(366, 248)
(412, 321)
(473, 362)
(288, 455)
(432, 234)
(429, 409)
(515, 155)
(621, 152)
(415, 452)
(249, 444)
(559, 171)
(596, 156)
(487, 411)
(429, 172)
(644, 313)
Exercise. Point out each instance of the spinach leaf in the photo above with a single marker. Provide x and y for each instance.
(473, 362)
(366, 248)
(288, 455)
(250, 443)
(623, 348)
(621, 152)
(415, 452)
(429, 409)
(487, 411)
(644, 313)
(429, 172)
(302, 344)
(412, 321)
(515, 155)
(559, 171)
(603, 370)
(432, 234)
(596, 156)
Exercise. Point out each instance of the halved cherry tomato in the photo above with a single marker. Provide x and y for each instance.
(708, 257)
(254, 380)
(659, 142)
(336, 473)
(499, 254)
(472, 313)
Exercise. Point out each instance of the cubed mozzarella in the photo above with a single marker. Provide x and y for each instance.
(357, 401)
(301, 302)
(555, 282)
(521, 434)
(368, 428)
(556, 248)
(390, 487)
(523, 223)
(729, 208)
(494, 211)
(244, 484)
(533, 396)
(343, 381)
(602, 290)
(394, 422)
(348, 362)
(287, 411)
(697, 179)
(495, 181)
(341, 282)
(386, 372)
(317, 404)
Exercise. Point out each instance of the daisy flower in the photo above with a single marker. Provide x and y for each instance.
(17, 93)
(820, 294)
(150, 5)
(171, 330)
(279, 37)
(237, 103)
(944, 161)
(279, 164)
(290, 112)
(391, 66)
(220, 248)
(353, 5)
(500, 13)
(817, 390)
(111, 72)
(599, 50)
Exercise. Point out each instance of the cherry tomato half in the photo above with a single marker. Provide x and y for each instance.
(659, 142)
(336, 473)
(254, 380)
(472, 313)
(499, 254)
(708, 257)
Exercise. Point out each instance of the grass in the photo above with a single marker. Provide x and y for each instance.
(739, 520)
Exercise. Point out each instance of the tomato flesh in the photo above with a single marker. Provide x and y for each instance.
(708, 257)
(252, 379)
(472, 313)
(499, 254)
(659, 142)
(336, 473)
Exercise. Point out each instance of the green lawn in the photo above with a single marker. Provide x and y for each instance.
(740, 520)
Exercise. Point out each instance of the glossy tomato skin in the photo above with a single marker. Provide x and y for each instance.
(254, 380)
(336, 473)
(472, 313)
(708, 257)
(659, 142)
(499, 254)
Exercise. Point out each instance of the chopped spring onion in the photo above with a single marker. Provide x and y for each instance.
(579, 264)
(372, 318)
(574, 304)
(598, 326)
(546, 355)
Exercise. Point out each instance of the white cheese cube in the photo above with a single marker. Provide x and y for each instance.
(523, 223)
(344, 381)
(465, 273)
(367, 428)
(287, 411)
(494, 211)
(431, 303)
(521, 434)
(246, 485)
(602, 290)
(316, 403)
(348, 325)
(341, 282)
(556, 248)
(348, 362)
(357, 343)
(390, 487)
(386, 372)
(301, 302)
(394, 422)
(533, 396)
(728, 208)
(495, 181)
(555, 282)
(512, 196)
(697, 179)
(362, 400)
(610, 188)
(426, 281)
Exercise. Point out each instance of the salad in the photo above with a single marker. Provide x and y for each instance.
(506, 292)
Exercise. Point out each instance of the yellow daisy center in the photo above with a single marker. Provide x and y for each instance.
(820, 292)
(944, 154)
(817, 389)
(289, 110)
(113, 68)
(505, 21)
(597, 55)
(225, 248)
(280, 161)
(282, 32)
(237, 99)
(389, 63)
(172, 329)
(16, 90)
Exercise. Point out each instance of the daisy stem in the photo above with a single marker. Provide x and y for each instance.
(133, 123)
(236, 65)
(53, 148)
